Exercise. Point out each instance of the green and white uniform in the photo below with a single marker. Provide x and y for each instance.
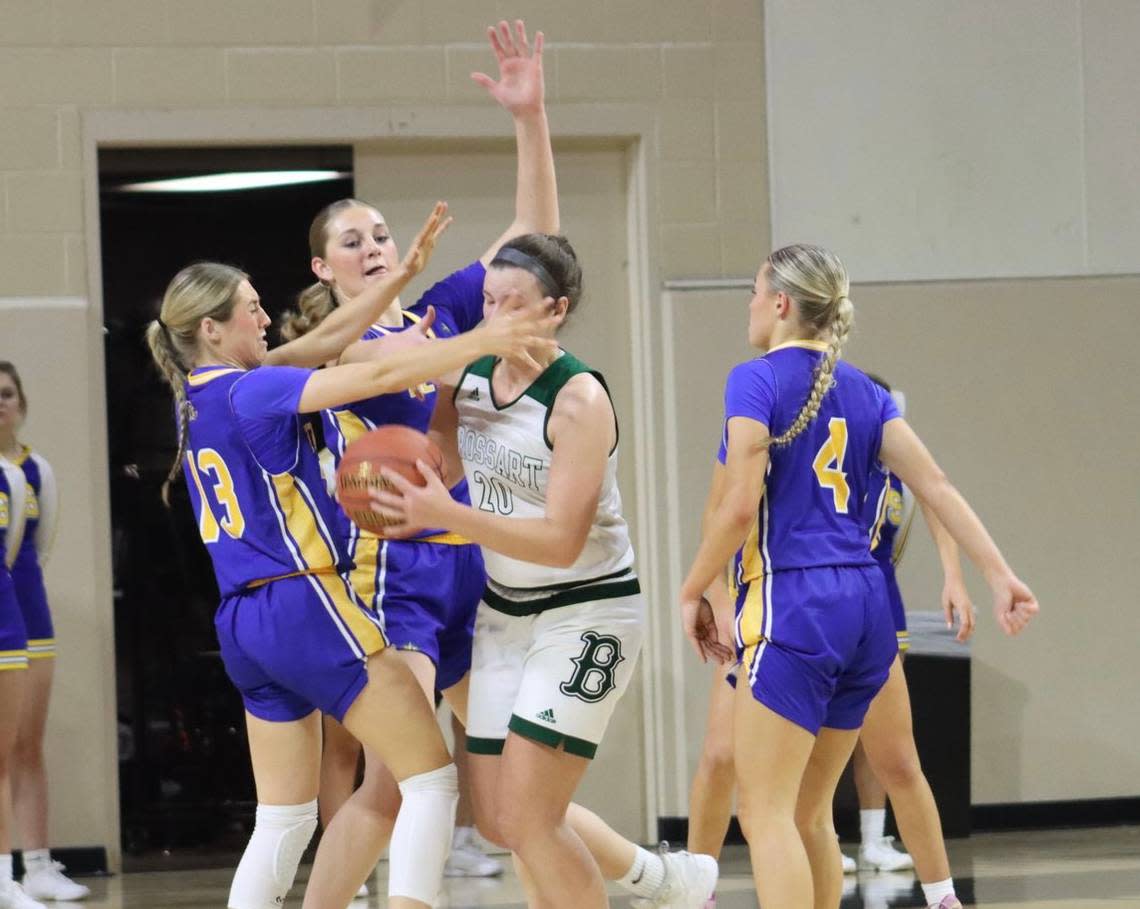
(554, 647)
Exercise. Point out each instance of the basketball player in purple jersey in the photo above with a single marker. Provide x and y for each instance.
(294, 638)
(426, 588)
(813, 628)
(886, 745)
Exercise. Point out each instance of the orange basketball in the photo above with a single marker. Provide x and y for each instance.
(394, 447)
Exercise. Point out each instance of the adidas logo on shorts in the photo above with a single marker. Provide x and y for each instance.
(547, 715)
(473, 395)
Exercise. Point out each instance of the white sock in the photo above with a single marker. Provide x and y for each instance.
(421, 838)
(36, 860)
(935, 892)
(269, 863)
(645, 876)
(462, 836)
(872, 821)
(5, 868)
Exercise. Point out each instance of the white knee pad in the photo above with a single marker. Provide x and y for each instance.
(269, 863)
(421, 839)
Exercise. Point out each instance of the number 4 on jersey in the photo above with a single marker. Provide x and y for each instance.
(828, 463)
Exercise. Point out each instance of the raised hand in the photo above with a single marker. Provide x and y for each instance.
(419, 253)
(521, 88)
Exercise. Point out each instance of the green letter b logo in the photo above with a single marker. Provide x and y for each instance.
(594, 668)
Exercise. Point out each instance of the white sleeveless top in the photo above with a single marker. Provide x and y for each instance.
(507, 455)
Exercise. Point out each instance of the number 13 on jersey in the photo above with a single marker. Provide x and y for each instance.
(828, 463)
(210, 463)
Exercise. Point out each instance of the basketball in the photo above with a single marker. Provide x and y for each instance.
(394, 447)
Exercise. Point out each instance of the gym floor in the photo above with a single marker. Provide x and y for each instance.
(1058, 869)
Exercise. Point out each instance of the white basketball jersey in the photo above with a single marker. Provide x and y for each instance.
(507, 456)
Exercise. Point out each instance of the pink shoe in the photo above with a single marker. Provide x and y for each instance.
(950, 901)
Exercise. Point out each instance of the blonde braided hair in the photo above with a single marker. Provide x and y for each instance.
(204, 290)
(817, 281)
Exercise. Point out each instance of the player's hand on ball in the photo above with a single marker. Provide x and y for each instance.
(1014, 604)
(412, 506)
(701, 629)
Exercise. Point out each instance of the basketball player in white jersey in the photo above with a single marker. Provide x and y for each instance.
(562, 619)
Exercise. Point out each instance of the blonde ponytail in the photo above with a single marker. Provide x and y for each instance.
(314, 304)
(817, 281)
(204, 290)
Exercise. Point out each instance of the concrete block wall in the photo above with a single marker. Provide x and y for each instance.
(700, 63)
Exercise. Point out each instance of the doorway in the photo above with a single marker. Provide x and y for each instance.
(186, 790)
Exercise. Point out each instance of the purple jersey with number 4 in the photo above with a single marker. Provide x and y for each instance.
(811, 513)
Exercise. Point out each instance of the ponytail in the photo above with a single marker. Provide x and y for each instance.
(166, 359)
(314, 304)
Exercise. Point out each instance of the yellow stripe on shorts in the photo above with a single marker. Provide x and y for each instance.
(13, 659)
(751, 621)
(41, 649)
(363, 576)
(363, 628)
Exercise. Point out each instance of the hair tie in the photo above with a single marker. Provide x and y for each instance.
(508, 255)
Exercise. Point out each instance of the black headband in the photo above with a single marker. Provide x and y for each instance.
(516, 257)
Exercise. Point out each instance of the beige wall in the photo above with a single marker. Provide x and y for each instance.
(1017, 387)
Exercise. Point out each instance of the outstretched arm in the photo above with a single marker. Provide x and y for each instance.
(904, 454)
(402, 369)
(521, 91)
(347, 323)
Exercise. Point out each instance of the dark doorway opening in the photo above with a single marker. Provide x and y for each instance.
(187, 795)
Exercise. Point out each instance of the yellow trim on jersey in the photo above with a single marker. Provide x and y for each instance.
(902, 536)
(25, 453)
(752, 559)
(213, 372)
(41, 649)
(303, 525)
(363, 576)
(351, 426)
(750, 625)
(447, 538)
(407, 314)
(363, 628)
(880, 515)
(261, 582)
(805, 344)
